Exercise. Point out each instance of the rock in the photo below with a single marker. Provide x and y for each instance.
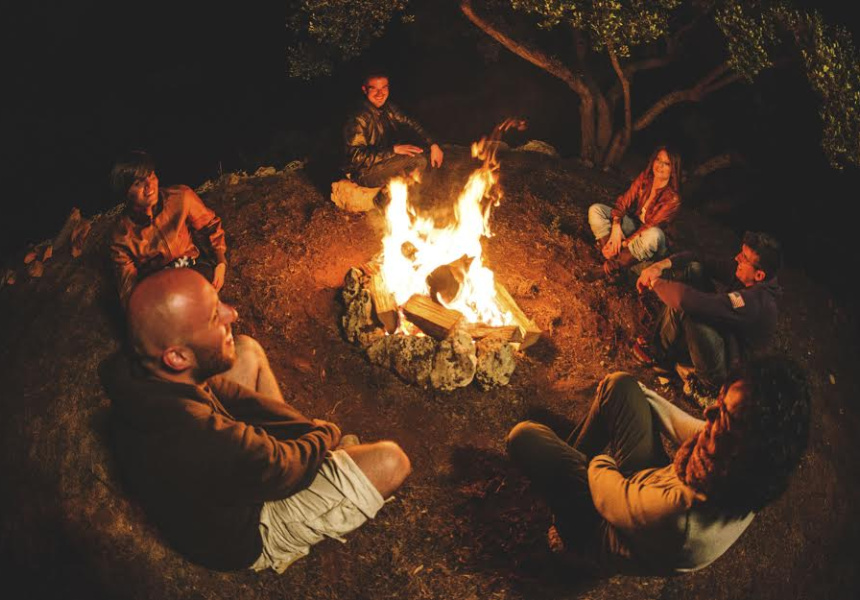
(265, 172)
(48, 253)
(538, 146)
(410, 356)
(353, 283)
(496, 362)
(358, 317)
(351, 197)
(455, 362)
(30, 257)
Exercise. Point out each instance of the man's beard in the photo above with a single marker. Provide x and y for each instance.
(211, 362)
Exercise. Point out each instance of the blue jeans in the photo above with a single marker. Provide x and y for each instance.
(650, 243)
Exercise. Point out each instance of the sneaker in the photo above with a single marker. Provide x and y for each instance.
(702, 393)
(644, 354)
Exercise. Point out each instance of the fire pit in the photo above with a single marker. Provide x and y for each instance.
(428, 306)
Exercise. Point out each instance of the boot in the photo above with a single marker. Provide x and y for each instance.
(612, 269)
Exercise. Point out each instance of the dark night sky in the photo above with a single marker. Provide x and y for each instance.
(202, 87)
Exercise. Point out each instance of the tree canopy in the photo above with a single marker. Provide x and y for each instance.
(598, 47)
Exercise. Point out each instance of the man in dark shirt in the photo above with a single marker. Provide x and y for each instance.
(232, 475)
(712, 330)
(376, 139)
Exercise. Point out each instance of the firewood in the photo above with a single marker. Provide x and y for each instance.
(529, 331)
(383, 303)
(434, 319)
(65, 234)
(507, 333)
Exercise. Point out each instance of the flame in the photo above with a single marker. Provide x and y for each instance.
(415, 246)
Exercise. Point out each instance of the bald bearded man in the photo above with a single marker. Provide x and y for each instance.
(232, 475)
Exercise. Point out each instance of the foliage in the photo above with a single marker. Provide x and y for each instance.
(324, 31)
(754, 32)
(750, 35)
(621, 24)
(832, 67)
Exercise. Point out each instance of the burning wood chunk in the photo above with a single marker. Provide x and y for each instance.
(496, 362)
(383, 303)
(446, 281)
(434, 319)
(505, 333)
(455, 362)
(529, 331)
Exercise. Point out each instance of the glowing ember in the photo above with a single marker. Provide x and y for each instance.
(416, 248)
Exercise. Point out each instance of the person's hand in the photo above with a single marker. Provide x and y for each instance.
(436, 155)
(613, 244)
(648, 276)
(218, 277)
(324, 423)
(407, 149)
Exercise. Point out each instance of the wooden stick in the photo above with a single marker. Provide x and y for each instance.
(529, 331)
(434, 319)
(507, 333)
(383, 303)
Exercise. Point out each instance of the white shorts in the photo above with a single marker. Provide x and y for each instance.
(339, 500)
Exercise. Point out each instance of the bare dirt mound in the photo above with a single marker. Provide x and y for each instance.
(465, 525)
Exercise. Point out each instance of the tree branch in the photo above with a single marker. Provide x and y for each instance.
(549, 64)
(709, 83)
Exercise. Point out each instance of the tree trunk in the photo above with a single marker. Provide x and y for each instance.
(588, 143)
(622, 138)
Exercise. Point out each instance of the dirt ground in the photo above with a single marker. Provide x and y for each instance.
(465, 525)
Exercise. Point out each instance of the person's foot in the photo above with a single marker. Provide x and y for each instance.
(703, 393)
(350, 439)
(646, 355)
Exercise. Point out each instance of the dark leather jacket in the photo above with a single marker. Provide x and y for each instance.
(370, 134)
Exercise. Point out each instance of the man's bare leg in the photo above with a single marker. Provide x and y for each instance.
(252, 368)
(385, 464)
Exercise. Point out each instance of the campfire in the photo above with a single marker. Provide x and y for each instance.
(429, 306)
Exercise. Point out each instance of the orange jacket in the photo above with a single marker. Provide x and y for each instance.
(140, 245)
(662, 210)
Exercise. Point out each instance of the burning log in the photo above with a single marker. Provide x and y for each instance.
(528, 330)
(383, 303)
(434, 319)
(446, 281)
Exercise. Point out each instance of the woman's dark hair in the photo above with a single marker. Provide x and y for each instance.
(774, 431)
(675, 159)
(128, 168)
(768, 249)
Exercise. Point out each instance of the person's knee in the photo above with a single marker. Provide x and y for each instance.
(249, 350)
(522, 438)
(394, 461)
(616, 386)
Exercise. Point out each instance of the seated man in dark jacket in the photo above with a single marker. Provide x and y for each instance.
(233, 476)
(161, 227)
(376, 136)
(712, 330)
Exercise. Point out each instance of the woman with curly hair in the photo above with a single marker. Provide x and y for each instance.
(633, 229)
